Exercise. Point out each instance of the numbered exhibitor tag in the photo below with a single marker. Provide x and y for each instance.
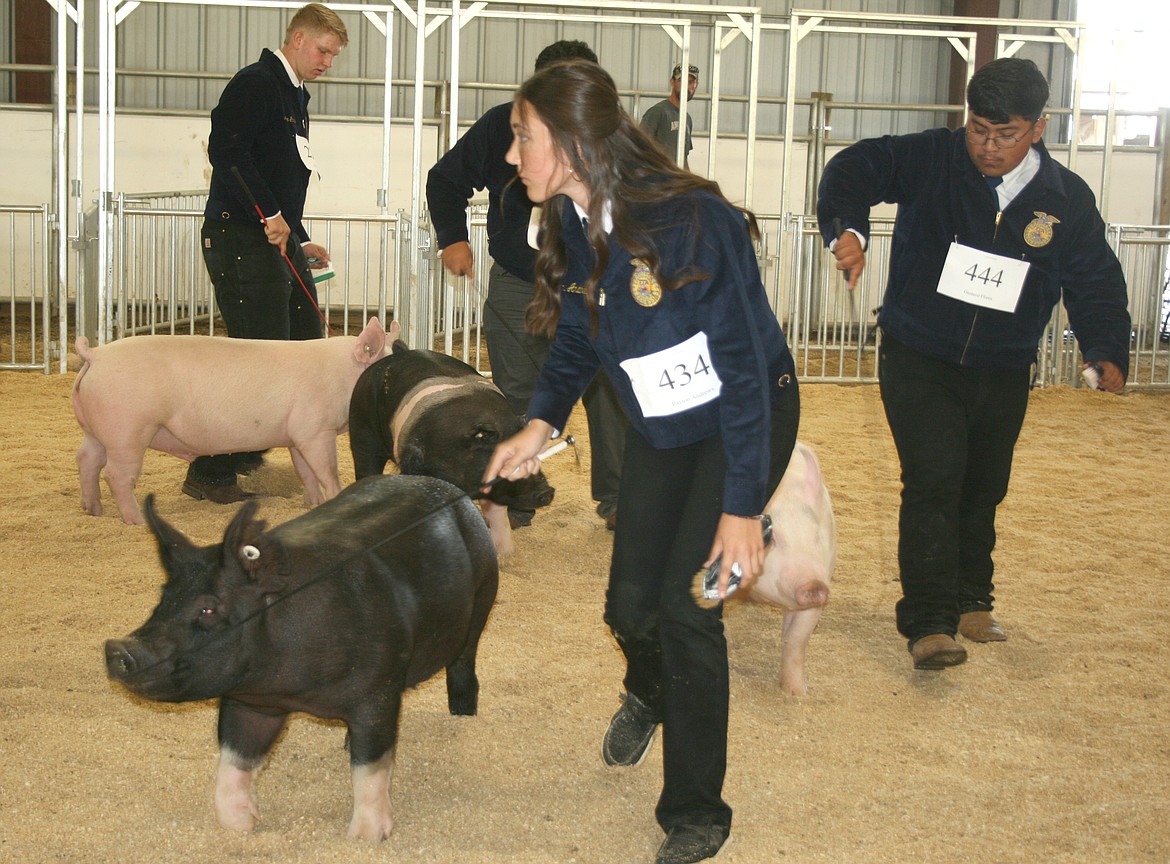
(675, 379)
(983, 278)
(306, 154)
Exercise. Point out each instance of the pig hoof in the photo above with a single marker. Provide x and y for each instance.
(237, 815)
(374, 827)
(793, 687)
(235, 800)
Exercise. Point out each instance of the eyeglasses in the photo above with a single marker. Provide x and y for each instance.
(1001, 142)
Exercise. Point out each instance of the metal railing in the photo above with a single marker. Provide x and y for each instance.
(160, 285)
(832, 330)
(1144, 252)
(27, 307)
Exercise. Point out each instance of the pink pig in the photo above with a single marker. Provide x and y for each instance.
(800, 560)
(203, 395)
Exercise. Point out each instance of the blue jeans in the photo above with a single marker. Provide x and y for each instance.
(955, 430)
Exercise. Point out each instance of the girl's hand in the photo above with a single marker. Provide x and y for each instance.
(738, 539)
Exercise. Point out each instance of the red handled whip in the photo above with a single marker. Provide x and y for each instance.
(283, 254)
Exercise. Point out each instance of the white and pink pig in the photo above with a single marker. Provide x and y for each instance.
(204, 395)
(799, 562)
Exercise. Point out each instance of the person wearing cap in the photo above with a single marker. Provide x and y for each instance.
(661, 121)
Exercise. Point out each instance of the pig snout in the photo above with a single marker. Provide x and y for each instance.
(141, 669)
(124, 659)
(119, 662)
(529, 493)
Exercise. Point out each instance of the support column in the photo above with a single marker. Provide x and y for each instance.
(984, 51)
(33, 44)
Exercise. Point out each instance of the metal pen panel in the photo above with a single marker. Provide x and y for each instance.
(25, 301)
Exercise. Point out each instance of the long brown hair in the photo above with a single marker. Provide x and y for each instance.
(620, 164)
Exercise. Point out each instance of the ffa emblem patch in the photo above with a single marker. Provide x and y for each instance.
(1038, 232)
(574, 289)
(645, 290)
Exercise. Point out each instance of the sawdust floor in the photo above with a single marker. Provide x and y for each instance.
(1051, 747)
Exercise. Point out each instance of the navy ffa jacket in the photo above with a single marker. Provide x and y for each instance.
(477, 162)
(254, 128)
(942, 197)
(746, 347)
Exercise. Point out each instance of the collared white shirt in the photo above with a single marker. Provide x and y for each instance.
(292, 76)
(1015, 180)
(606, 216)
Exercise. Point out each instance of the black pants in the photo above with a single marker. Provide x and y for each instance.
(258, 299)
(254, 288)
(955, 430)
(676, 654)
(517, 357)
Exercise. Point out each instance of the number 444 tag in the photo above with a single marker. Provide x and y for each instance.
(983, 278)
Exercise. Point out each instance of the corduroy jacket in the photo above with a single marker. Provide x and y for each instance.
(254, 128)
(747, 348)
(1053, 224)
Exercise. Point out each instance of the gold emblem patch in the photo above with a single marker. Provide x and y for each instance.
(1038, 232)
(645, 290)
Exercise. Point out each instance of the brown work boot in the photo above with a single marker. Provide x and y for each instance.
(981, 627)
(218, 494)
(937, 651)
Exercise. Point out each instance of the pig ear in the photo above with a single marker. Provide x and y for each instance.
(371, 343)
(253, 552)
(173, 546)
(812, 476)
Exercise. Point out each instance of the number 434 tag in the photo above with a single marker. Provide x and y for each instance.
(674, 379)
(983, 278)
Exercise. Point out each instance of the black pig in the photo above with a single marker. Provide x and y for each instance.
(333, 613)
(433, 414)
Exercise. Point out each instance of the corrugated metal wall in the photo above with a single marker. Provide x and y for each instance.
(212, 42)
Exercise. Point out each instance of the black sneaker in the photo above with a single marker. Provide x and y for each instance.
(685, 844)
(630, 732)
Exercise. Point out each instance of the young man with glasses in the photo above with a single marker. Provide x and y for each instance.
(990, 232)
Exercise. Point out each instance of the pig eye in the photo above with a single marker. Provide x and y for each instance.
(207, 617)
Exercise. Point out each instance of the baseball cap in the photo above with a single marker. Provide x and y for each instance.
(677, 73)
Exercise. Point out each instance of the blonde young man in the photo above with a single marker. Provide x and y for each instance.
(259, 151)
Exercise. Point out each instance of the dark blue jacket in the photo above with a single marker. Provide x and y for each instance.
(477, 162)
(254, 128)
(747, 347)
(942, 197)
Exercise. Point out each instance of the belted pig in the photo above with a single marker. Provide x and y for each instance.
(203, 395)
(333, 613)
(435, 415)
(799, 562)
